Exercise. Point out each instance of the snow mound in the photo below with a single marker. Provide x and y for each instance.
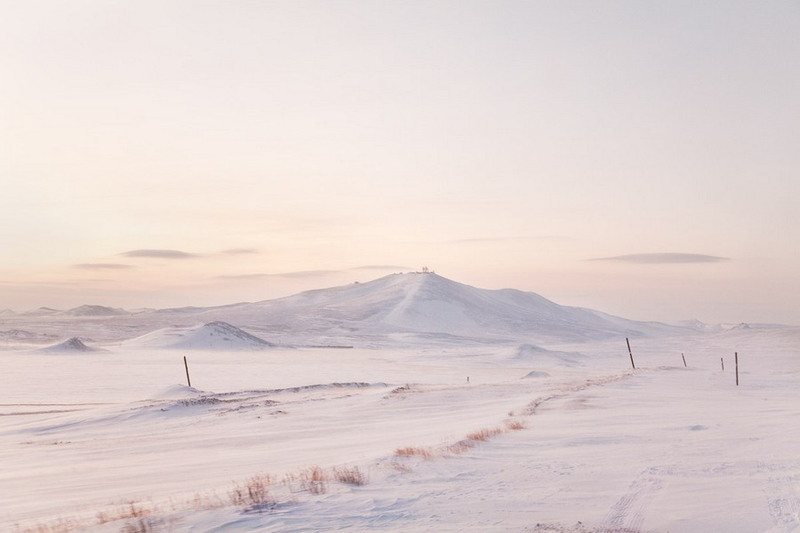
(536, 374)
(529, 353)
(73, 344)
(178, 391)
(211, 336)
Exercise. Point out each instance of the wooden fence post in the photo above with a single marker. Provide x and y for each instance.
(186, 365)
(722, 362)
(630, 353)
(684, 360)
(736, 356)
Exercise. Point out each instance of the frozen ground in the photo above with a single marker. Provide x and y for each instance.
(108, 440)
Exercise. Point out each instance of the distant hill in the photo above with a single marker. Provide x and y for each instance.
(24, 336)
(94, 310)
(43, 311)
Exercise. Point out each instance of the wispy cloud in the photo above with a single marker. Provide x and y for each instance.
(382, 267)
(480, 240)
(663, 258)
(240, 251)
(298, 274)
(306, 273)
(243, 276)
(102, 266)
(159, 254)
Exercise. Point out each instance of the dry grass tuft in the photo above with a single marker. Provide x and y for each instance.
(126, 512)
(514, 425)
(143, 525)
(314, 480)
(460, 447)
(253, 493)
(351, 476)
(62, 526)
(204, 502)
(425, 453)
(484, 434)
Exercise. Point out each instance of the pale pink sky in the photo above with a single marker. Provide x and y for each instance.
(167, 153)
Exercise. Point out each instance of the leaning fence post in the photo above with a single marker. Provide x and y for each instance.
(186, 365)
(736, 356)
(722, 362)
(630, 352)
(684, 360)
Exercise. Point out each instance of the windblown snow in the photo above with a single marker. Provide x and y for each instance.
(408, 403)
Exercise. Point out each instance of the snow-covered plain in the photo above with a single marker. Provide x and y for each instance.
(411, 403)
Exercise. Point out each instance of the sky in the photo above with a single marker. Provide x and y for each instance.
(639, 158)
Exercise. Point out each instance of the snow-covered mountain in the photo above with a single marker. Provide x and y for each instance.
(396, 309)
(429, 305)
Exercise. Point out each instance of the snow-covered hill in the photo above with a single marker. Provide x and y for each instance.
(73, 344)
(211, 336)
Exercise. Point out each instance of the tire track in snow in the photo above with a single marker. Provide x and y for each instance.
(627, 514)
(784, 502)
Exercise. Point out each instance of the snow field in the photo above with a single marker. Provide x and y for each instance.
(662, 448)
